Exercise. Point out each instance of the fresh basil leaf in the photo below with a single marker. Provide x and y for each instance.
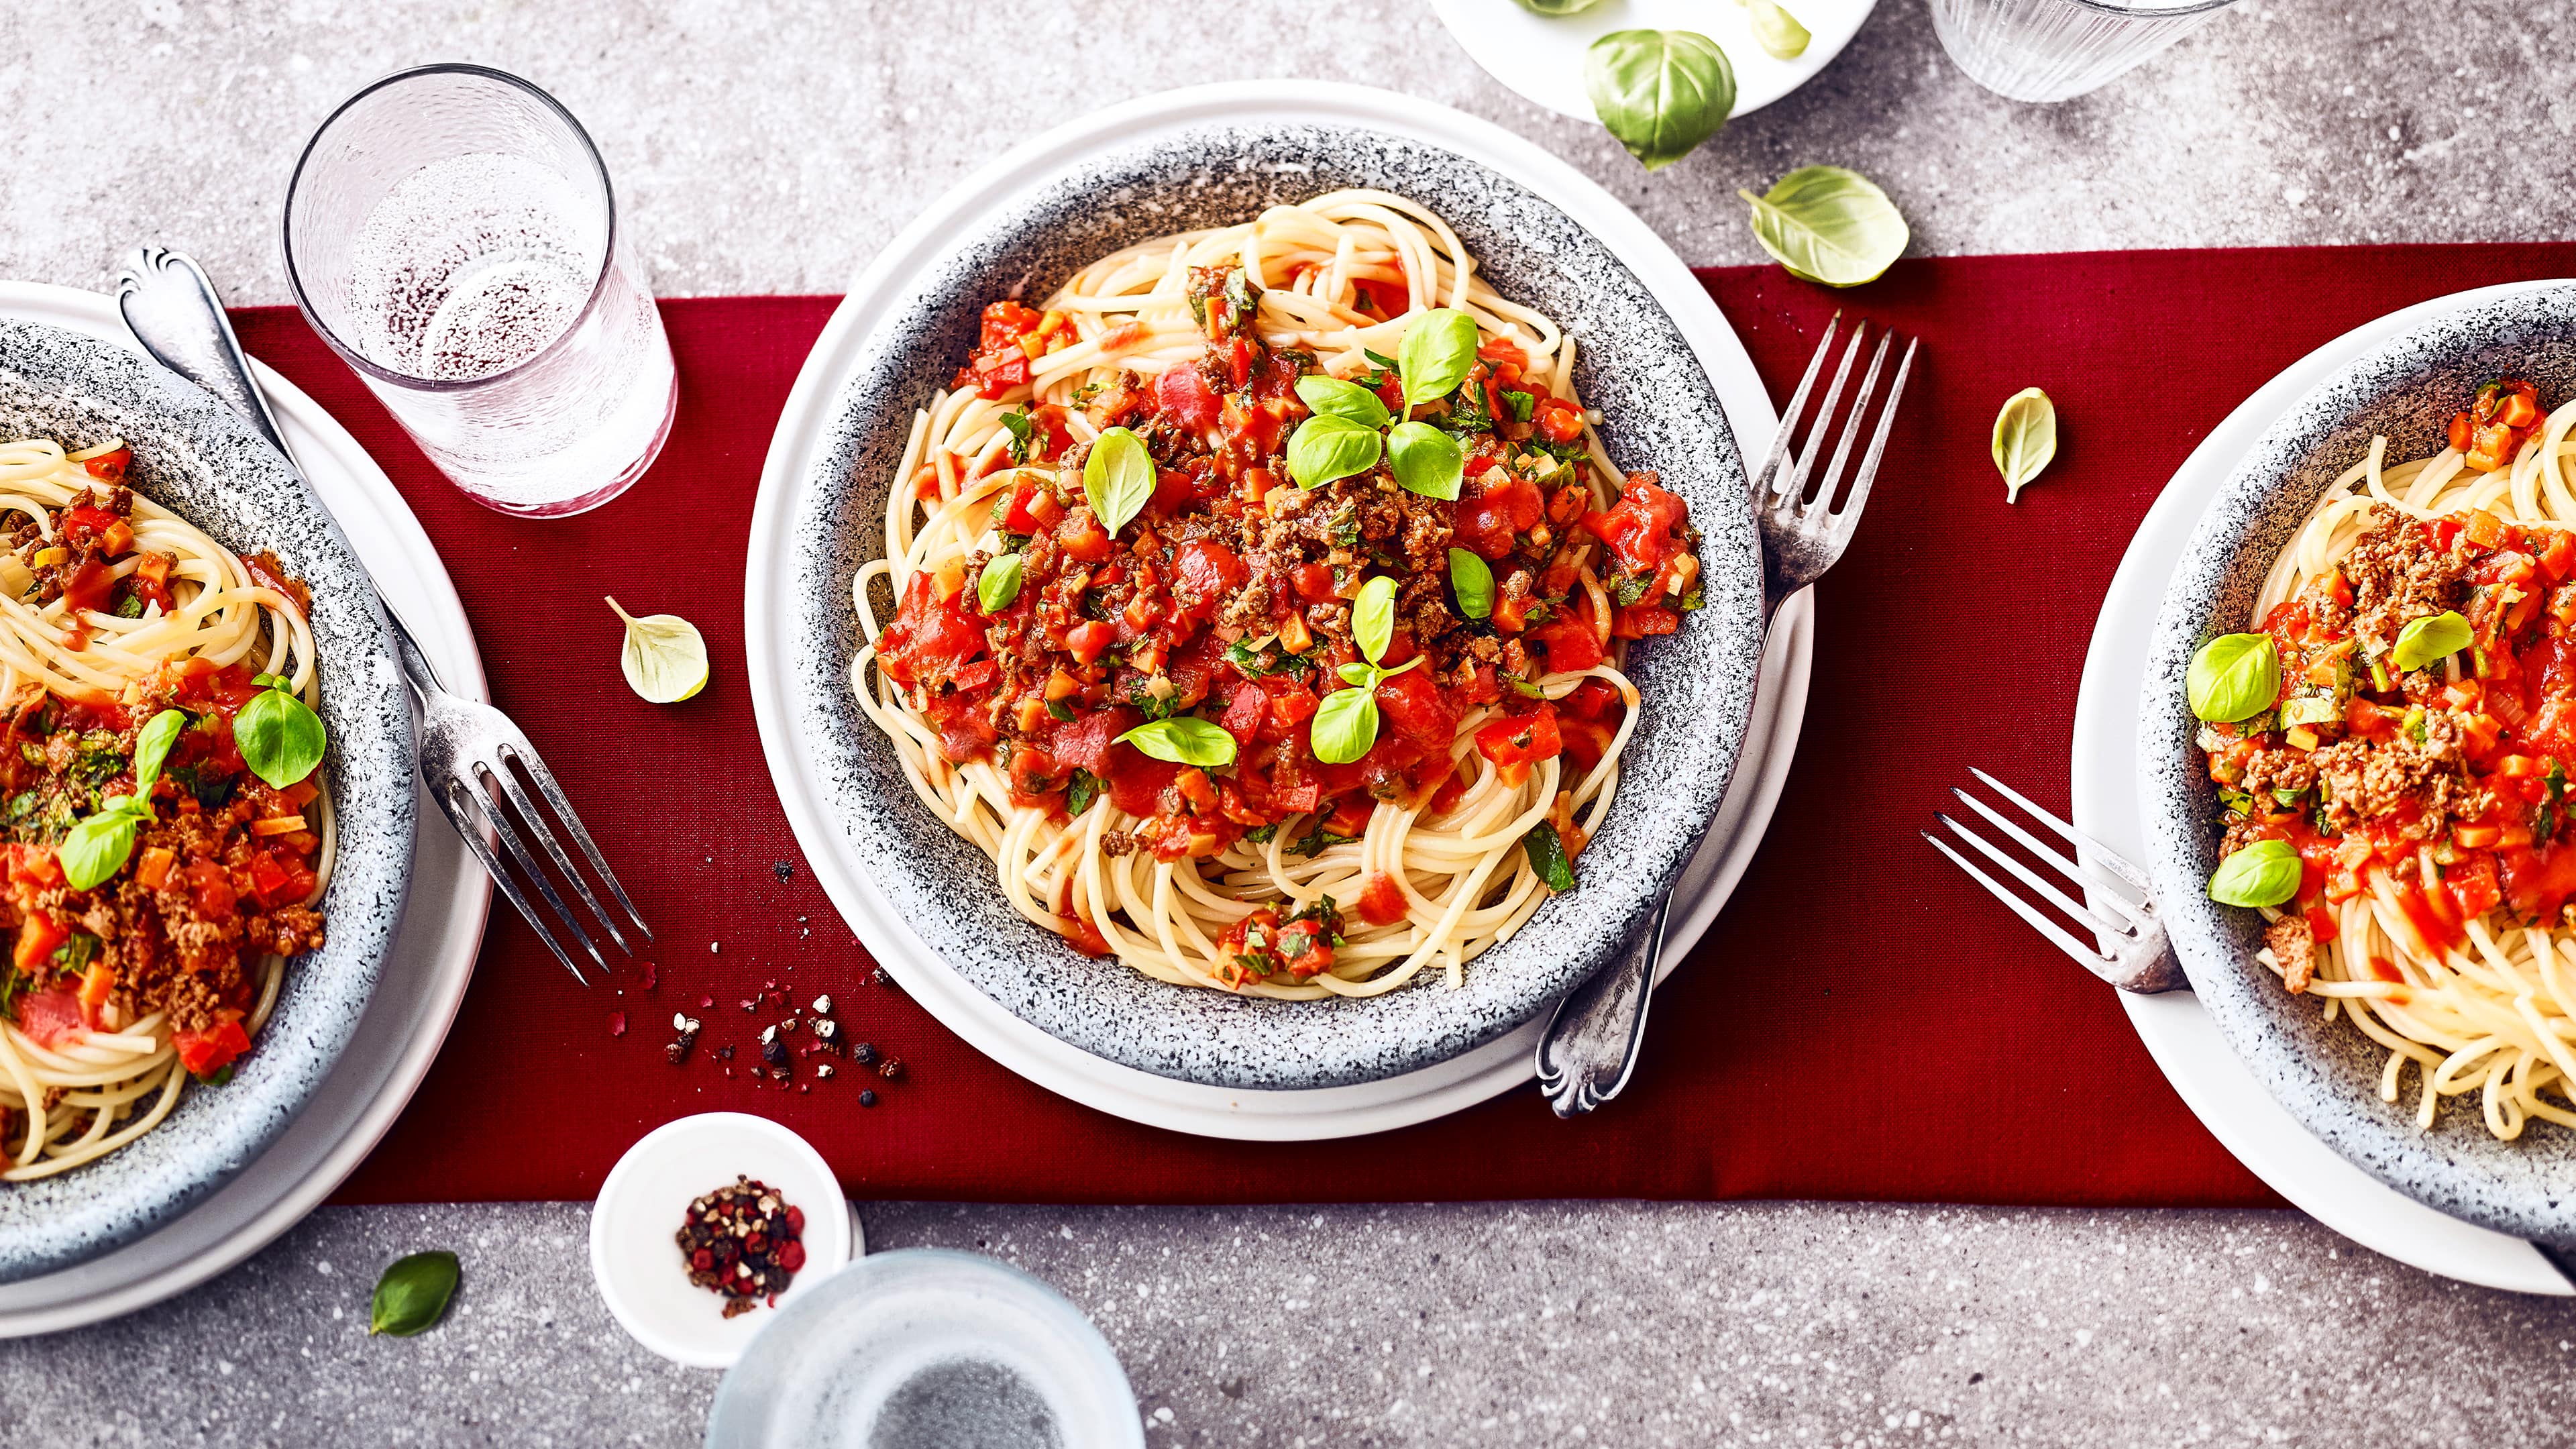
(1326, 447)
(2025, 439)
(152, 747)
(2265, 873)
(271, 681)
(1547, 856)
(1426, 460)
(279, 738)
(1023, 430)
(1183, 740)
(1373, 617)
(1117, 478)
(413, 1294)
(1345, 725)
(97, 848)
(1523, 405)
(1357, 674)
(1081, 791)
(1383, 362)
(1472, 580)
(1776, 30)
(1523, 687)
(1438, 349)
(1661, 92)
(1261, 834)
(1332, 397)
(2430, 639)
(1829, 225)
(1557, 7)
(2234, 677)
(1000, 583)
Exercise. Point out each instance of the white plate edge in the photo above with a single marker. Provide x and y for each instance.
(1498, 35)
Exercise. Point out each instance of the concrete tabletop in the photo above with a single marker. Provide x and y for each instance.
(771, 146)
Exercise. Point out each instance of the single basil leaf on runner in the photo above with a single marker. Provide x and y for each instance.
(2233, 677)
(1373, 617)
(152, 747)
(2432, 638)
(1472, 580)
(1439, 347)
(279, 738)
(1547, 856)
(1000, 583)
(1117, 478)
(2265, 873)
(1426, 460)
(1345, 725)
(1332, 397)
(1661, 92)
(1326, 447)
(1776, 30)
(97, 848)
(1829, 225)
(413, 1294)
(1183, 740)
(665, 658)
(2025, 439)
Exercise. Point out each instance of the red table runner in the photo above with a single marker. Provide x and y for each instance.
(1861, 1022)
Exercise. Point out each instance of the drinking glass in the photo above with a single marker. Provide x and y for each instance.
(451, 232)
(2049, 50)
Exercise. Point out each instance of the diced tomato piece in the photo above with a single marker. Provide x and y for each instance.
(1643, 529)
(1571, 645)
(1183, 396)
(931, 635)
(1088, 640)
(1501, 504)
(110, 466)
(1084, 936)
(1382, 900)
(91, 586)
(1245, 712)
(2474, 886)
(1083, 539)
(1209, 574)
(1516, 742)
(1314, 583)
(1637, 621)
(213, 888)
(214, 1048)
(1411, 705)
(38, 939)
(1559, 421)
(51, 1017)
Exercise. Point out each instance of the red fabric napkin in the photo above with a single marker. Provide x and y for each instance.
(1861, 1023)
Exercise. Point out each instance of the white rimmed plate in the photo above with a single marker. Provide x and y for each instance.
(1541, 56)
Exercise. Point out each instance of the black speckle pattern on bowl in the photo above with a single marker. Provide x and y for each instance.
(195, 456)
(2327, 1073)
(1661, 413)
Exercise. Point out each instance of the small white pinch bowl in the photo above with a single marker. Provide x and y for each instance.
(636, 1261)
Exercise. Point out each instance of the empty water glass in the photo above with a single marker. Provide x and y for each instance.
(451, 232)
(2050, 50)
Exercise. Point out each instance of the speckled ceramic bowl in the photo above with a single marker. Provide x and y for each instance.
(1661, 412)
(2327, 1074)
(195, 456)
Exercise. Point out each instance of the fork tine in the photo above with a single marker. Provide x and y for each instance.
(2034, 880)
(1781, 435)
(1795, 494)
(2029, 842)
(1851, 427)
(526, 755)
(471, 831)
(2101, 854)
(2137, 916)
(2091, 957)
(518, 853)
(554, 849)
(1849, 517)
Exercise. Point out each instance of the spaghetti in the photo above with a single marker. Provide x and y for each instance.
(1260, 602)
(114, 613)
(2405, 785)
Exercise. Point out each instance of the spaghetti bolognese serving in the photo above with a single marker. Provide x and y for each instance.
(164, 835)
(1260, 599)
(2393, 746)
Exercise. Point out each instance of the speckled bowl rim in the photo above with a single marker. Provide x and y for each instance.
(2327, 1074)
(193, 453)
(1103, 1008)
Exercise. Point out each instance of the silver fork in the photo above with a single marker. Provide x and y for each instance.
(2131, 950)
(1591, 1043)
(466, 747)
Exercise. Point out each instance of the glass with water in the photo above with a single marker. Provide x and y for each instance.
(451, 232)
(2051, 50)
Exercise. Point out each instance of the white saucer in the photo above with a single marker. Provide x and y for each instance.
(1541, 56)
(2177, 1031)
(433, 953)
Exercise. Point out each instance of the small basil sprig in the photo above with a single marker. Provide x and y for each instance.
(1332, 397)
(413, 1294)
(1000, 583)
(98, 847)
(2265, 873)
(1117, 478)
(1345, 724)
(2233, 677)
(1328, 446)
(2430, 639)
(1473, 582)
(1183, 740)
(1426, 460)
(1438, 349)
(279, 738)
(1661, 92)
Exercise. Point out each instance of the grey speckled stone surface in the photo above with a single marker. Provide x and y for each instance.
(770, 146)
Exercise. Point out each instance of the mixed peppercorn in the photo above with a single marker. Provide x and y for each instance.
(743, 1241)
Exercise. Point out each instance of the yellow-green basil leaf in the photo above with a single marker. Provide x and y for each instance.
(1776, 30)
(1557, 7)
(1000, 583)
(2025, 439)
(152, 747)
(1425, 460)
(1661, 92)
(413, 1294)
(96, 849)
(2265, 873)
(1438, 349)
(2233, 677)
(278, 737)
(665, 657)
(1117, 478)
(1183, 740)
(1472, 580)
(1356, 673)
(1829, 225)
(1345, 725)
(2428, 639)
(1332, 397)
(1373, 617)
(1326, 447)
